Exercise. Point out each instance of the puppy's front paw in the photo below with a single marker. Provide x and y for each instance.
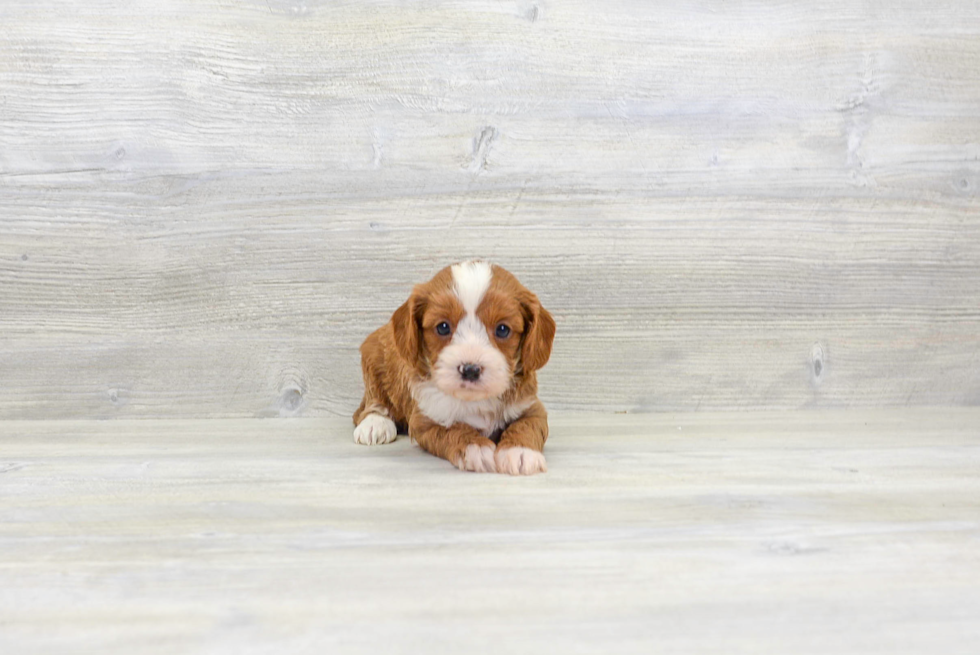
(478, 457)
(517, 460)
(375, 429)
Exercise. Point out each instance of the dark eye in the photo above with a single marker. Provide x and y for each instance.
(443, 329)
(502, 331)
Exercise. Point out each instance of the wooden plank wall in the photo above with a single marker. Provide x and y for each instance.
(205, 205)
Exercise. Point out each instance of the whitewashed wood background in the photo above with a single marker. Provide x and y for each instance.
(206, 205)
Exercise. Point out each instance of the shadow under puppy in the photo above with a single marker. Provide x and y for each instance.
(455, 368)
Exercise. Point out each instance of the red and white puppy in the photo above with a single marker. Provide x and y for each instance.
(455, 368)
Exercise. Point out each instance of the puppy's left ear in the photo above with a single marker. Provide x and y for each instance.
(407, 325)
(539, 334)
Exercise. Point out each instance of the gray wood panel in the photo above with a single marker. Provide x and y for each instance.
(800, 532)
(205, 206)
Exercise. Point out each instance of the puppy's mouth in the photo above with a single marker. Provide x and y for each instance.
(470, 391)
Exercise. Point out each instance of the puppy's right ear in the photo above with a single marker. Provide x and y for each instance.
(407, 323)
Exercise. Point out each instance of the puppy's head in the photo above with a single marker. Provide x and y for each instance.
(472, 328)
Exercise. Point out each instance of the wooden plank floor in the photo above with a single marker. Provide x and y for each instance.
(728, 533)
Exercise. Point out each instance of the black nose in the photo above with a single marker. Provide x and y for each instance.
(470, 372)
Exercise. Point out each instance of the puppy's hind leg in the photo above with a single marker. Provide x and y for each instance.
(373, 418)
(375, 427)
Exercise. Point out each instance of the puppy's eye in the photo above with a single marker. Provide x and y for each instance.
(443, 329)
(502, 331)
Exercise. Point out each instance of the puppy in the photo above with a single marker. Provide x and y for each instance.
(455, 368)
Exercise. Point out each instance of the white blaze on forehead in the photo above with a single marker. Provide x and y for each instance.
(470, 281)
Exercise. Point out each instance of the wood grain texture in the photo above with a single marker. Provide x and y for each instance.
(798, 532)
(205, 206)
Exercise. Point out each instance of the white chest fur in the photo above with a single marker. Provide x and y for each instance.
(488, 416)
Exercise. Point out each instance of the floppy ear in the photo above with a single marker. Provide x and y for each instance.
(407, 324)
(539, 334)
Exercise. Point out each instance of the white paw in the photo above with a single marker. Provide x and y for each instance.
(477, 458)
(518, 460)
(375, 429)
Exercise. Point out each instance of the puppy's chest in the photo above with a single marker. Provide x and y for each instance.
(489, 416)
